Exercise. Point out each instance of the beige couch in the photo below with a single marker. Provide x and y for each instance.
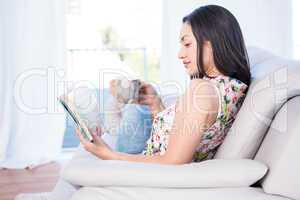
(258, 159)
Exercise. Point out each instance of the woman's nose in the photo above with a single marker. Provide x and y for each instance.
(181, 54)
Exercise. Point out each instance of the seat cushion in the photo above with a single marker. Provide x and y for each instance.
(137, 193)
(91, 171)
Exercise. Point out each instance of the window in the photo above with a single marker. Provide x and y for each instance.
(111, 34)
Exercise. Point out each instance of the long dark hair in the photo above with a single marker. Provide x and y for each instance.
(218, 26)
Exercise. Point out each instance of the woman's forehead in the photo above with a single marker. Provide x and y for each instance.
(185, 32)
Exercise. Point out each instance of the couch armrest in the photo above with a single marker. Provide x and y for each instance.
(207, 174)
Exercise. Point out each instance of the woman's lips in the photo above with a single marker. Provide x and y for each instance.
(186, 64)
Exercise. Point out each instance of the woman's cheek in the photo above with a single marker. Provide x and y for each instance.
(194, 68)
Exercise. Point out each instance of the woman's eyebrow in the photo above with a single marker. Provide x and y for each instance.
(182, 37)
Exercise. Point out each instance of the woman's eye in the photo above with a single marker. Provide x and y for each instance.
(187, 45)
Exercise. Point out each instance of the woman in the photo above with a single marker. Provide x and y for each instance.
(214, 55)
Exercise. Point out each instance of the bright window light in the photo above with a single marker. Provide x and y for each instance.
(112, 34)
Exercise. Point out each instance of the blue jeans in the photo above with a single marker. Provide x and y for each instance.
(135, 129)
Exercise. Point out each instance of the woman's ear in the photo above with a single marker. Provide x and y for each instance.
(209, 49)
(208, 57)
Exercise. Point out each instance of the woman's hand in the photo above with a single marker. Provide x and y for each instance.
(98, 147)
(148, 96)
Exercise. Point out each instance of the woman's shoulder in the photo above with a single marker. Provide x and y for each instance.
(200, 94)
(201, 86)
(203, 91)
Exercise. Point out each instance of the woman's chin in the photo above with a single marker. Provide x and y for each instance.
(187, 70)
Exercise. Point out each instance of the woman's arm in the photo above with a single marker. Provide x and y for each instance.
(196, 110)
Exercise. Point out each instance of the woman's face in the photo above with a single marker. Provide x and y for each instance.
(188, 52)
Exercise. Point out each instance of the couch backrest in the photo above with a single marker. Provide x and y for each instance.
(274, 81)
(280, 151)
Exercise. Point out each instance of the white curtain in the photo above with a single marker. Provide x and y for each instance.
(31, 63)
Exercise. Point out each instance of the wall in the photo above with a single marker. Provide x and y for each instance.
(265, 23)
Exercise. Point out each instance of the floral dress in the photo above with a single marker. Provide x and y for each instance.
(231, 96)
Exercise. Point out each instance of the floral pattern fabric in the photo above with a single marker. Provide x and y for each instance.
(231, 92)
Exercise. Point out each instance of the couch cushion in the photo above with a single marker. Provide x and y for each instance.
(140, 193)
(91, 171)
(274, 80)
(280, 151)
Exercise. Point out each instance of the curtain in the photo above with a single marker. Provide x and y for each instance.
(32, 48)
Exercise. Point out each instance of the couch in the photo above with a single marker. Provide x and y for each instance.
(257, 161)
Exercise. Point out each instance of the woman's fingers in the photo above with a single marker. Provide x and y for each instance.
(146, 88)
(142, 90)
(148, 99)
(78, 133)
(90, 147)
(99, 131)
(145, 101)
(96, 139)
(96, 135)
(80, 136)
